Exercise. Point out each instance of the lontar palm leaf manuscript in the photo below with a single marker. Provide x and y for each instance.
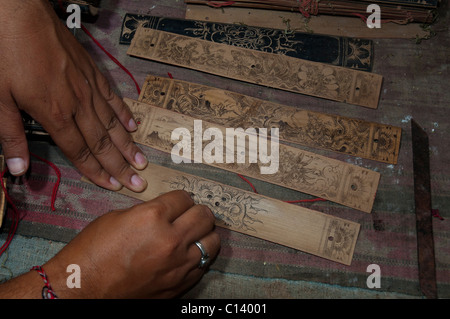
(303, 171)
(375, 141)
(268, 69)
(259, 216)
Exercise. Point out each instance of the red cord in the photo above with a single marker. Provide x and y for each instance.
(220, 4)
(308, 7)
(16, 215)
(112, 58)
(58, 181)
(286, 201)
(248, 182)
(15, 219)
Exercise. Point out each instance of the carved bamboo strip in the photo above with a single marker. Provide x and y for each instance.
(351, 136)
(290, 225)
(306, 172)
(272, 70)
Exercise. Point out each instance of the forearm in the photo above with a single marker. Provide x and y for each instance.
(26, 286)
(29, 285)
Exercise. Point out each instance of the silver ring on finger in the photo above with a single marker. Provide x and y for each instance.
(205, 256)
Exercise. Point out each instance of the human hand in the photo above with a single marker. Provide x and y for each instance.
(50, 76)
(145, 251)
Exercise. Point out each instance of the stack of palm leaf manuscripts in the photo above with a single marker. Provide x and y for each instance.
(400, 11)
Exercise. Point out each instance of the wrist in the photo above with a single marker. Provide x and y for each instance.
(60, 281)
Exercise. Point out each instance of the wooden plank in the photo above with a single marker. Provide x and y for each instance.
(422, 206)
(351, 136)
(294, 21)
(306, 172)
(2, 194)
(272, 70)
(259, 216)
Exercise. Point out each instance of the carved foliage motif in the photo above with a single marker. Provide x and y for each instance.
(273, 70)
(345, 135)
(339, 240)
(299, 170)
(231, 207)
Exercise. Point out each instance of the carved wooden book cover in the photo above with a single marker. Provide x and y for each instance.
(268, 69)
(290, 225)
(306, 172)
(375, 141)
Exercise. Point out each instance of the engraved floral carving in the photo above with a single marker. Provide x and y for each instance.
(272, 70)
(327, 131)
(297, 169)
(232, 208)
(339, 240)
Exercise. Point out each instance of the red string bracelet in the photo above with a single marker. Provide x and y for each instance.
(47, 291)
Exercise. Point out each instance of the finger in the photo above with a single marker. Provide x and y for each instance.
(119, 136)
(196, 223)
(13, 140)
(170, 205)
(71, 142)
(119, 107)
(211, 244)
(190, 268)
(103, 148)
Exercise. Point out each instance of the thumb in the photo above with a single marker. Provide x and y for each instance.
(13, 141)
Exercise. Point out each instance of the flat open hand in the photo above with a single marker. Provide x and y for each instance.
(49, 75)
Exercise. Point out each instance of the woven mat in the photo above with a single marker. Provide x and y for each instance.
(413, 79)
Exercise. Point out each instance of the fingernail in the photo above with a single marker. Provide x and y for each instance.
(140, 160)
(16, 165)
(137, 181)
(132, 125)
(115, 182)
